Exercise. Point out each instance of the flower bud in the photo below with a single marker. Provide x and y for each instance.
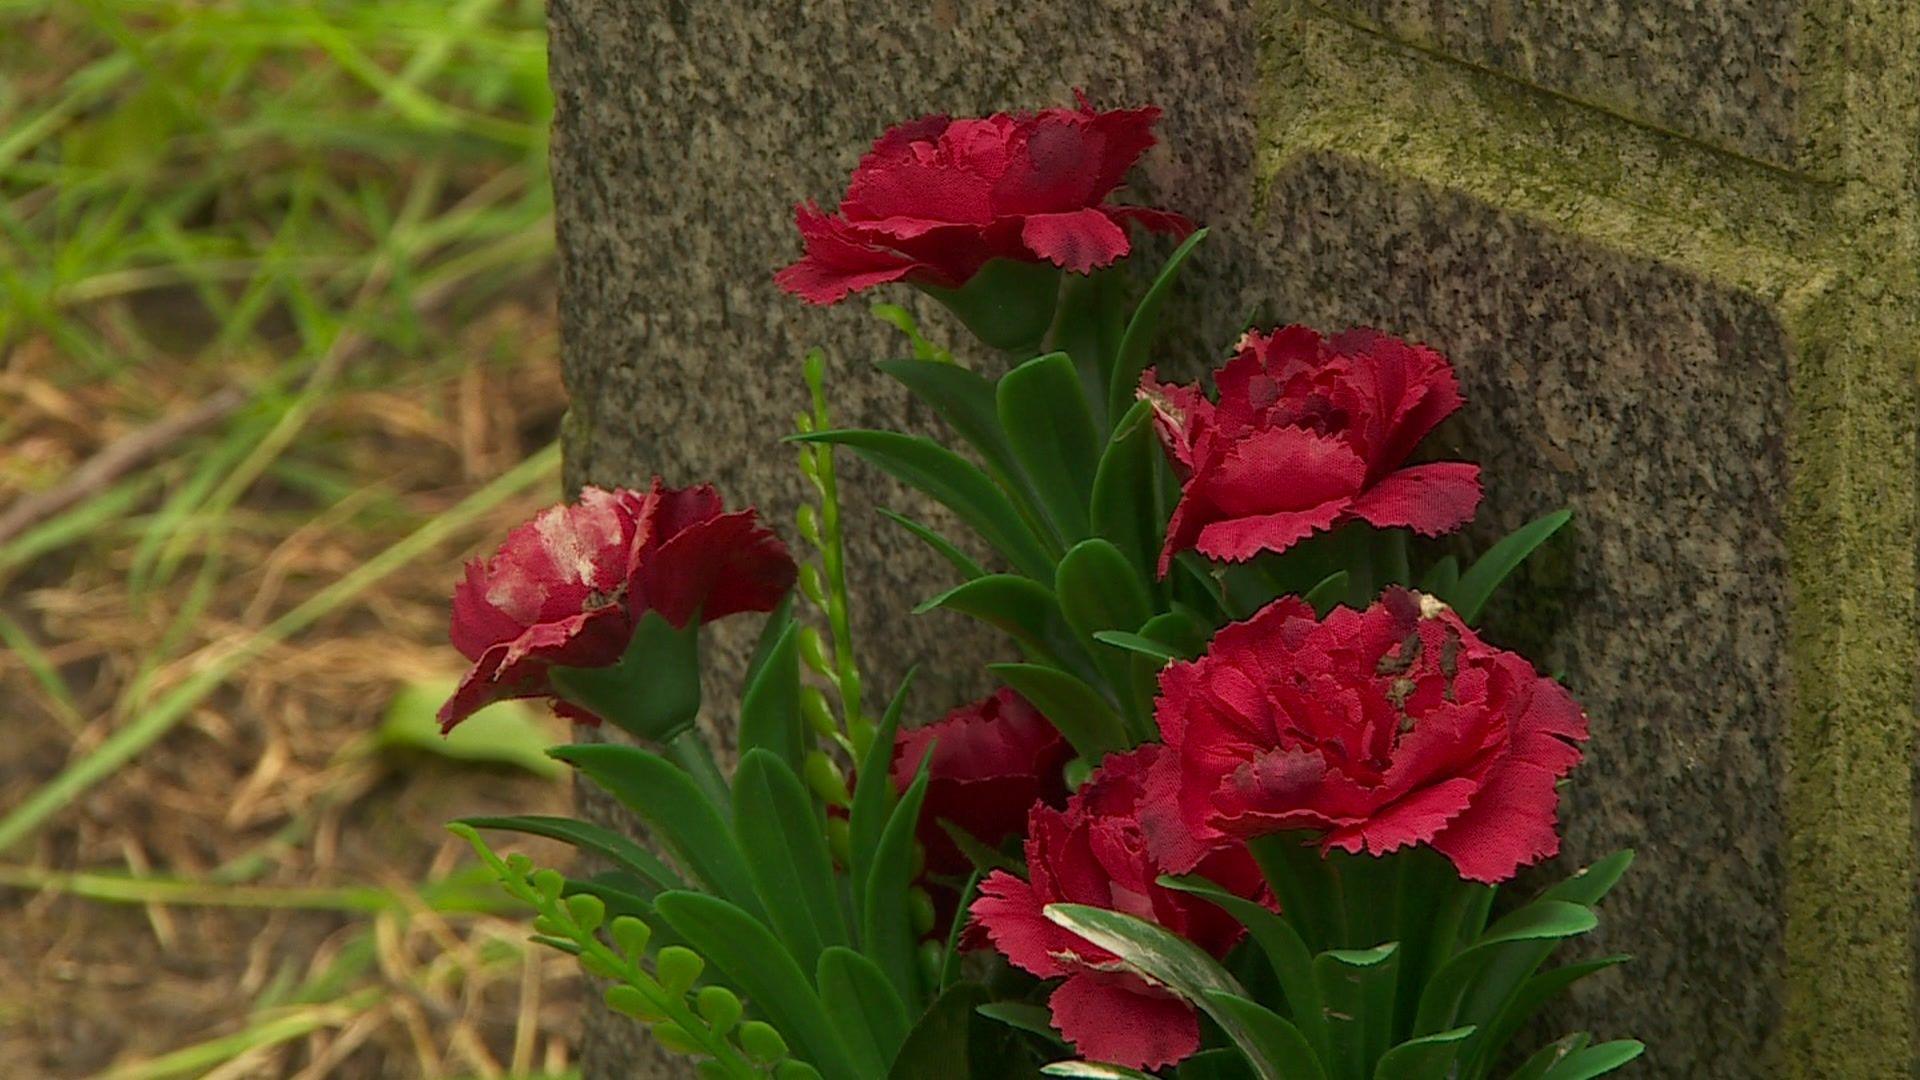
(761, 1042)
(548, 883)
(678, 968)
(719, 1007)
(588, 911)
(631, 935)
(840, 840)
(823, 776)
(813, 650)
(920, 910)
(813, 705)
(810, 586)
(630, 1001)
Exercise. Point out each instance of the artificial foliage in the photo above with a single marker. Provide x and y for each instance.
(1249, 798)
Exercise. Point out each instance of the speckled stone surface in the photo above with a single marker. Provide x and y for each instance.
(1724, 71)
(1654, 405)
(685, 132)
(1699, 351)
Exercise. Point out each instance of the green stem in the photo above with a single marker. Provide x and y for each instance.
(839, 609)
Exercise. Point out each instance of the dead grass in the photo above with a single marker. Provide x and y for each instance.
(341, 229)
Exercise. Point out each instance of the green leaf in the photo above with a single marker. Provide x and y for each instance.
(1087, 327)
(1075, 709)
(1021, 607)
(1045, 417)
(1477, 584)
(1138, 645)
(748, 955)
(615, 848)
(1219, 1063)
(1099, 590)
(1180, 630)
(1286, 954)
(1137, 343)
(1127, 492)
(1357, 987)
(504, 733)
(955, 483)
(1525, 1002)
(1442, 579)
(1032, 1019)
(1589, 885)
(672, 805)
(770, 706)
(1571, 1058)
(886, 929)
(618, 901)
(943, 1041)
(941, 545)
(1093, 1070)
(1330, 591)
(871, 1018)
(1173, 962)
(653, 691)
(965, 401)
(1426, 1058)
(873, 797)
(1268, 1037)
(1594, 1061)
(786, 849)
(1538, 921)
(1007, 303)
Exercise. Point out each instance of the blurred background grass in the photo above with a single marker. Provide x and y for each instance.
(276, 349)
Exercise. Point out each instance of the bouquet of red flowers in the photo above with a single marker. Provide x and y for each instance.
(1241, 805)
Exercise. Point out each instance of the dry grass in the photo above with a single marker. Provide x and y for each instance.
(336, 234)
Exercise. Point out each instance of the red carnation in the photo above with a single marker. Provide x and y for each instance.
(1309, 434)
(1096, 853)
(991, 761)
(935, 199)
(568, 587)
(1378, 729)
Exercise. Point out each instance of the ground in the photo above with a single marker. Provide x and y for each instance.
(277, 351)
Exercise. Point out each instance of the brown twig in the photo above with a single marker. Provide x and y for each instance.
(118, 458)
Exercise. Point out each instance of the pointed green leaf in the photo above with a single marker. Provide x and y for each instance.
(751, 959)
(886, 929)
(1052, 433)
(1526, 1001)
(1137, 343)
(873, 797)
(1592, 1061)
(672, 806)
(1099, 590)
(1426, 1058)
(653, 691)
(1330, 591)
(1075, 709)
(870, 1016)
(1264, 1035)
(1587, 886)
(965, 401)
(1357, 987)
(1442, 578)
(1032, 1019)
(944, 1042)
(785, 843)
(606, 843)
(1138, 645)
(1477, 584)
(770, 707)
(955, 483)
(942, 546)
(1128, 507)
(1022, 608)
(1541, 920)
(1286, 954)
(1093, 1070)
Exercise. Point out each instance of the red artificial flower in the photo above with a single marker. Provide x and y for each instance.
(568, 587)
(1096, 853)
(1309, 434)
(936, 198)
(991, 761)
(1378, 729)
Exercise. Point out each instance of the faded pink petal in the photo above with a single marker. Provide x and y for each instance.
(1117, 1018)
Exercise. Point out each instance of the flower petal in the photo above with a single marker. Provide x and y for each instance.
(1119, 1019)
(1080, 241)
(1430, 499)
